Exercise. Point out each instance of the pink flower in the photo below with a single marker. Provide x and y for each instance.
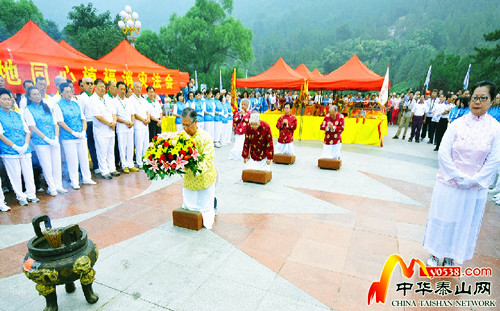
(154, 166)
(195, 154)
(165, 166)
(181, 163)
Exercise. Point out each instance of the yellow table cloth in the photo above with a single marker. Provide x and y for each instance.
(369, 132)
(168, 124)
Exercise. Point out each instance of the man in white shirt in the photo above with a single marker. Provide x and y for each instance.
(428, 127)
(111, 94)
(155, 112)
(24, 100)
(112, 90)
(443, 111)
(54, 99)
(104, 123)
(417, 118)
(318, 99)
(85, 104)
(125, 129)
(405, 115)
(142, 119)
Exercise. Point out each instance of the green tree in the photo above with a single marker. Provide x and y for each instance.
(93, 34)
(486, 60)
(206, 39)
(148, 43)
(52, 30)
(16, 13)
(448, 71)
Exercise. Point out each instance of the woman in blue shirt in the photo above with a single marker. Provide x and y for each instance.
(73, 127)
(199, 107)
(15, 151)
(190, 100)
(228, 126)
(45, 139)
(178, 107)
(209, 114)
(219, 112)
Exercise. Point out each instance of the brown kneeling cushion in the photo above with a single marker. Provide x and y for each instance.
(257, 176)
(187, 219)
(330, 164)
(284, 158)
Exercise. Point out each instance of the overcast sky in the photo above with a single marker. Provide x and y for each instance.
(152, 13)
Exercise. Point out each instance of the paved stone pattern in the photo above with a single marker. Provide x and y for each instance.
(310, 239)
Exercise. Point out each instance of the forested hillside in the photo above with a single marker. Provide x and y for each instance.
(406, 34)
(214, 35)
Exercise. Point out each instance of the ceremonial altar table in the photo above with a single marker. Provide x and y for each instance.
(356, 131)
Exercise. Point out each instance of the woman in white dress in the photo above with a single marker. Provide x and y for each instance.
(469, 156)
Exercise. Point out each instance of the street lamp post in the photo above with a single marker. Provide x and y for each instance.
(129, 23)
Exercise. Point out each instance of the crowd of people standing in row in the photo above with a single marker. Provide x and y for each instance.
(111, 122)
(429, 114)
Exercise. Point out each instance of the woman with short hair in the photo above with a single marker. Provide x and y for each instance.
(73, 128)
(219, 115)
(45, 140)
(15, 151)
(178, 108)
(155, 111)
(469, 157)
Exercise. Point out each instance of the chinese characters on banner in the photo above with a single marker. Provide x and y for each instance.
(166, 82)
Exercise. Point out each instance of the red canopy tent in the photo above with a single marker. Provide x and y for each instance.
(353, 75)
(72, 49)
(31, 53)
(278, 76)
(165, 81)
(316, 74)
(304, 71)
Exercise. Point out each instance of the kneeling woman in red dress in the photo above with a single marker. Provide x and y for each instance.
(258, 149)
(333, 125)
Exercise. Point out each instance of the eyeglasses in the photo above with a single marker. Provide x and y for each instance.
(185, 126)
(89, 83)
(477, 98)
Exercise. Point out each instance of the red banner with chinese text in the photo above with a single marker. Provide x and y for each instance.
(31, 53)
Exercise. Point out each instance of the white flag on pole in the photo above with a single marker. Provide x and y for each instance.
(466, 80)
(196, 79)
(428, 79)
(384, 92)
(220, 79)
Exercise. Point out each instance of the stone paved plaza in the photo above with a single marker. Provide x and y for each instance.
(310, 239)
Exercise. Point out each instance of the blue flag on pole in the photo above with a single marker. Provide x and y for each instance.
(466, 79)
(428, 79)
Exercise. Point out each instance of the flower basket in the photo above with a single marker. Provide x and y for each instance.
(169, 154)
